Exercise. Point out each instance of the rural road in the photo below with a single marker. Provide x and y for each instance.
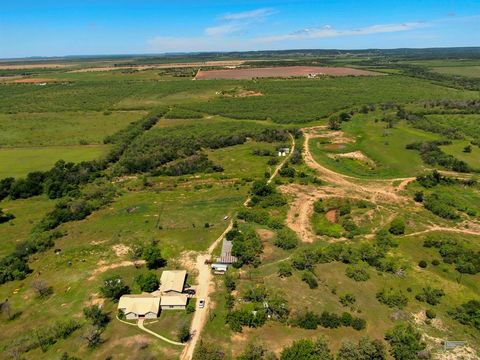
(205, 278)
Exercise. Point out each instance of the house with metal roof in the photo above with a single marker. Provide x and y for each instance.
(174, 302)
(172, 282)
(139, 306)
(226, 256)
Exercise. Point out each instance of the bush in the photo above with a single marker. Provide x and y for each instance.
(310, 279)
(307, 349)
(284, 269)
(423, 264)
(397, 227)
(467, 314)
(430, 296)
(96, 316)
(365, 349)
(347, 299)
(435, 262)
(114, 287)
(286, 239)
(306, 320)
(430, 314)
(357, 273)
(392, 298)
(359, 324)
(405, 342)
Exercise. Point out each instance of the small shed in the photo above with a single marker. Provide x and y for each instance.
(226, 256)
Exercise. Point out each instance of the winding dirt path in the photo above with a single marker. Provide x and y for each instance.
(205, 278)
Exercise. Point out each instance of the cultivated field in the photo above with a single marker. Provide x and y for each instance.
(280, 72)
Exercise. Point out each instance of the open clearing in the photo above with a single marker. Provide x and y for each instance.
(281, 71)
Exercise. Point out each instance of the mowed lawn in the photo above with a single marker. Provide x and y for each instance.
(386, 147)
(18, 162)
(62, 128)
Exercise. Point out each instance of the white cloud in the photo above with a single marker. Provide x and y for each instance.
(328, 31)
(248, 15)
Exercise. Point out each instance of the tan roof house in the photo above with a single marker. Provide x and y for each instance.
(174, 302)
(139, 306)
(172, 281)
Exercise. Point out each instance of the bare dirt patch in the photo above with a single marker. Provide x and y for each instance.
(332, 216)
(355, 155)
(333, 146)
(121, 250)
(34, 80)
(265, 234)
(281, 72)
(102, 267)
(33, 66)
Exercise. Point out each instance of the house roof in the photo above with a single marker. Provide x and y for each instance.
(172, 280)
(174, 300)
(140, 304)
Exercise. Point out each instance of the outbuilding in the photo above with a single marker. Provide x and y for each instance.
(172, 282)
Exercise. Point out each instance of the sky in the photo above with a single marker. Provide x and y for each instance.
(103, 27)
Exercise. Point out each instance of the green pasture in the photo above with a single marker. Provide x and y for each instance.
(467, 71)
(62, 128)
(17, 162)
(457, 149)
(385, 147)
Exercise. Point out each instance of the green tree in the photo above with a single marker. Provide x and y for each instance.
(405, 342)
(208, 351)
(153, 256)
(255, 351)
(334, 123)
(397, 227)
(183, 334)
(114, 287)
(307, 349)
(96, 316)
(284, 269)
(147, 282)
(365, 349)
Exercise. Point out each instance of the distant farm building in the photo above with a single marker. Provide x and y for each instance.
(283, 151)
(219, 268)
(139, 306)
(226, 256)
(172, 282)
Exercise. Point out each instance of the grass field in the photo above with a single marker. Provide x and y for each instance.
(385, 147)
(468, 71)
(17, 162)
(61, 128)
(456, 149)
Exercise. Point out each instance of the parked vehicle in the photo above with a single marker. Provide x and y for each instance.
(190, 291)
(201, 304)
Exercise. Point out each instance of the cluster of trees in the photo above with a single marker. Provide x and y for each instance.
(159, 147)
(15, 265)
(468, 314)
(265, 195)
(311, 320)
(246, 317)
(191, 165)
(286, 239)
(430, 295)
(357, 273)
(431, 154)
(181, 113)
(404, 340)
(92, 197)
(466, 260)
(98, 320)
(246, 246)
(43, 337)
(352, 253)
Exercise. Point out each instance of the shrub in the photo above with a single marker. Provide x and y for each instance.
(153, 256)
(423, 264)
(430, 314)
(392, 298)
(430, 296)
(467, 314)
(347, 299)
(284, 269)
(96, 316)
(229, 282)
(365, 349)
(286, 239)
(397, 227)
(357, 273)
(306, 320)
(310, 279)
(307, 349)
(435, 262)
(359, 324)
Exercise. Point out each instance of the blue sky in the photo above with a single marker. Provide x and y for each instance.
(55, 28)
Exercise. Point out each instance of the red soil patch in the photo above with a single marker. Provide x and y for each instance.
(282, 71)
(332, 216)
